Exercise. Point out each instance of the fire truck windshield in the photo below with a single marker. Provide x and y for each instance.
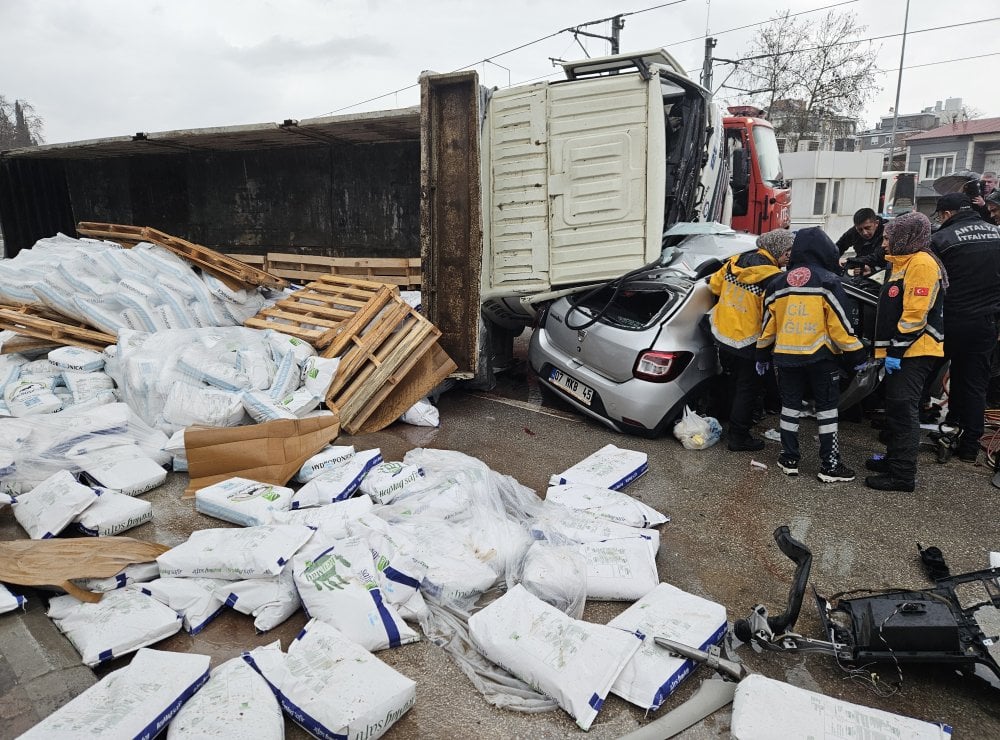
(766, 147)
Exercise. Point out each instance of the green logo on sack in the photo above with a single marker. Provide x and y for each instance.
(322, 572)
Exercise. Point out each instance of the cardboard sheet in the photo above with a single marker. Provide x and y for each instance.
(54, 562)
(271, 452)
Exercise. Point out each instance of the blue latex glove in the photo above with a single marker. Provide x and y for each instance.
(862, 367)
(762, 367)
(891, 364)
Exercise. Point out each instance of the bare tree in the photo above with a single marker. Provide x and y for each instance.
(812, 77)
(19, 124)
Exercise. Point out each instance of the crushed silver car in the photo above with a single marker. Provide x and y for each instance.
(632, 352)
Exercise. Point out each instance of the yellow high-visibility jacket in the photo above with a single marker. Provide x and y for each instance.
(910, 319)
(740, 285)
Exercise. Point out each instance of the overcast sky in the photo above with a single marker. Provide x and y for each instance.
(97, 68)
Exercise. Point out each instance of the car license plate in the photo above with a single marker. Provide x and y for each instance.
(572, 386)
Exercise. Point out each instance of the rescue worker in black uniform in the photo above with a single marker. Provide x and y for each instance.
(735, 323)
(807, 334)
(909, 335)
(969, 249)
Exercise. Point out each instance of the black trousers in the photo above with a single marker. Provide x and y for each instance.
(823, 380)
(968, 343)
(747, 386)
(903, 389)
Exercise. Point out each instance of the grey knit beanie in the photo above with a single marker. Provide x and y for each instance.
(776, 242)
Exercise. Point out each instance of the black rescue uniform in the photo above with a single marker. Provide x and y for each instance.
(806, 333)
(969, 249)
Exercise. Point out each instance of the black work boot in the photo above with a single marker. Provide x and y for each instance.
(888, 483)
(877, 464)
(740, 441)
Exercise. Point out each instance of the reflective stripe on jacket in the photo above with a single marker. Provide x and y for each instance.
(740, 284)
(910, 319)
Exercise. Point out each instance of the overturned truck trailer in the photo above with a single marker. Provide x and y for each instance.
(508, 196)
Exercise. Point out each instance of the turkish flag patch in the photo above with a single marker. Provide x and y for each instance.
(921, 291)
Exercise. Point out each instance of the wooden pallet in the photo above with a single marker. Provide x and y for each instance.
(27, 324)
(376, 357)
(218, 264)
(254, 260)
(318, 312)
(401, 271)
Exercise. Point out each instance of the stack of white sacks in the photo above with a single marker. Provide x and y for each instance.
(374, 550)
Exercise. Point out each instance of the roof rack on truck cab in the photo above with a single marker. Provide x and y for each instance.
(639, 60)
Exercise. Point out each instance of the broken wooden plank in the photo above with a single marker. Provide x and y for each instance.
(401, 271)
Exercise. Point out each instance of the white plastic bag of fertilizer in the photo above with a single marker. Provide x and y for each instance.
(120, 623)
(287, 377)
(27, 398)
(242, 501)
(193, 598)
(77, 358)
(282, 344)
(330, 520)
(337, 483)
(87, 386)
(338, 585)
(604, 502)
(391, 480)
(654, 673)
(123, 469)
(136, 701)
(422, 414)
(9, 601)
(620, 570)
(572, 661)
(270, 601)
(236, 702)
(760, 701)
(332, 687)
(136, 573)
(262, 408)
(329, 457)
(234, 554)
(555, 522)
(299, 402)
(318, 373)
(112, 514)
(556, 574)
(49, 507)
(609, 467)
(187, 406)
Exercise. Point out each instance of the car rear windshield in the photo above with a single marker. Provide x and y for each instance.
(632, 307)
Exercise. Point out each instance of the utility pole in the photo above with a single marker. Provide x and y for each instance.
(899, 84)
(706, 69)
(617, 24)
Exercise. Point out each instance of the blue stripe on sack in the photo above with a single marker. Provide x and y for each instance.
(391, 630)
(673, 681)
(105, 655)
(231, 600)
(301, 634)
(596, 702)
(641, 470)
(163, 718)
(248, 659)
(306, 722)
(198, 628)
(122, 580)
(146, 591)
(394, 575)
(295, 504)
(281, 562)
(48, 536)
(86, 530)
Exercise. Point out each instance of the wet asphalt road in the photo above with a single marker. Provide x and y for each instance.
(718, 545)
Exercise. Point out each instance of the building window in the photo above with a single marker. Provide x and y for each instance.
(934, 167)
(782, 143)
(874, 140)
(819, 199)
(835, 197)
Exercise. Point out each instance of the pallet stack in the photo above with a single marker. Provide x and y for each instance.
(389, 353)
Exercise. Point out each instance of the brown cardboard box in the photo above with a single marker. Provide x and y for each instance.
(270, 453)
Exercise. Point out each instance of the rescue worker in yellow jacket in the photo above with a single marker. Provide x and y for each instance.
(909, 335)
(736, 321)
(807, 335)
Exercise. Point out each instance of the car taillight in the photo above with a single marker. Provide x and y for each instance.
(660, 367)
